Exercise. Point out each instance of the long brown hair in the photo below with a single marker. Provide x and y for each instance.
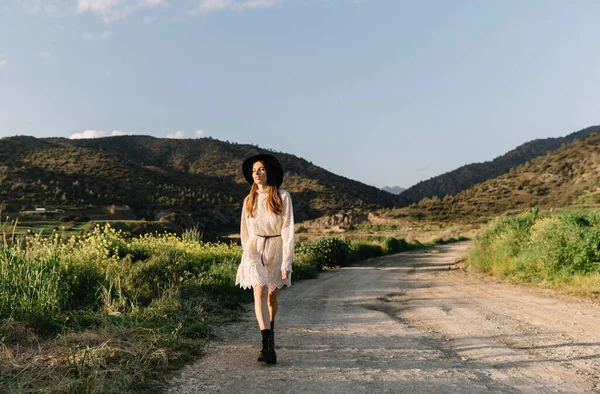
(274, 203)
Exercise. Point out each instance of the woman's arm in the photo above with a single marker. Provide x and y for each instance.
(287, 233)
(244, 226)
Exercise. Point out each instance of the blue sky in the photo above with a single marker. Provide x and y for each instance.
(386, 92)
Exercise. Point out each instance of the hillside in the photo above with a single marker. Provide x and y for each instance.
(201, 177)
(466, 176)
(567, 177)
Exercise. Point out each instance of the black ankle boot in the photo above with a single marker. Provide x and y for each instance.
(267, 354)
(271, 357)
(262, 354)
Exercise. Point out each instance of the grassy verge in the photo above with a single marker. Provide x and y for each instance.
(103, 313)
(106, 313)
(550, 249)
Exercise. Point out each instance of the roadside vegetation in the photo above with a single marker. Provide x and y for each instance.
(104, 313)
(559, 249)
(108, 313)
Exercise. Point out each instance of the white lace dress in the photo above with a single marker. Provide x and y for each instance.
(262, 258)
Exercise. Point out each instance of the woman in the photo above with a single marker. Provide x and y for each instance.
(267, 232)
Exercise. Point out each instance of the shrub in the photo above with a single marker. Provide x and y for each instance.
(304, 267)
(565, 244)
(327, 252)
(394, 245)
(362, 251)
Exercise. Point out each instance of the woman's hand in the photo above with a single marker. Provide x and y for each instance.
(284, 274)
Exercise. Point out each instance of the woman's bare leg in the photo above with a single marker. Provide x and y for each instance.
(273, 304)
(261, 306)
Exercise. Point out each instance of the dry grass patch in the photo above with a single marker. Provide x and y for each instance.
(110, 359)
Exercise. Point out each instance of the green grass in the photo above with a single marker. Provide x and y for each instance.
(553, 249)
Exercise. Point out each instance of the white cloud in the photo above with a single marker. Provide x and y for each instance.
(88, 134)
(97, 134)
(3, 63)
(52, 8)
(208, 6)
(179, 134)
(151, 3)
(113, 10)
(96, 37)
(251, 4)
(108, 74)
(45, 55)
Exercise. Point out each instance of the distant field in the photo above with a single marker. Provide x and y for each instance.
(43, 228)
(46, 228)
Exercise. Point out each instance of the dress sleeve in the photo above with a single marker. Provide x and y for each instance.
(287, 232)
(244, 226)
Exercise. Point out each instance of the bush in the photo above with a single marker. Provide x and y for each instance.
(502, 240)
(304, 267)
(565, 245)
(394, 245)
(362, 251)
(327, 252)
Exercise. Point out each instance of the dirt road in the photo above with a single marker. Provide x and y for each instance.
(409, 323)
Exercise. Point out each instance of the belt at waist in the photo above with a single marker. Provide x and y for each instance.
(266, 237)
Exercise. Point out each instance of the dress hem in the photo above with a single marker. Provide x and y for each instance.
(247, 287)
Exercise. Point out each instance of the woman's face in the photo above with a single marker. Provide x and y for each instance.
(259, 173)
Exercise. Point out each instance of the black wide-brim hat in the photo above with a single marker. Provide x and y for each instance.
(274, 170)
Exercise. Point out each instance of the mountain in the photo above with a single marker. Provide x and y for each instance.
(466, 176)
(393, 189)
(199, 177)
(566, 177)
